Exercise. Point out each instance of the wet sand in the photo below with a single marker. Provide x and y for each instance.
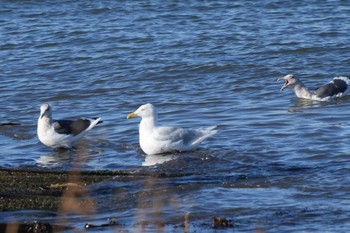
(43, 189)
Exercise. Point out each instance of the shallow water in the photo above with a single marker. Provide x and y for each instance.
(277, 164)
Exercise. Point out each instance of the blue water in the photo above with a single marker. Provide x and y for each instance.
(278, 163)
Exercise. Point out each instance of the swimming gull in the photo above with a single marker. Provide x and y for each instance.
(337, 87)
(155, 139)
(62, 133)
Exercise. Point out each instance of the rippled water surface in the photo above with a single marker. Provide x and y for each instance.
(277, 164)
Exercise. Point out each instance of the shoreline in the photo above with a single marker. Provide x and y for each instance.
(45, 189)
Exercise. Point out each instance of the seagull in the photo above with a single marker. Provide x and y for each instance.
(337, 87)
(62, 133)
(155, 139)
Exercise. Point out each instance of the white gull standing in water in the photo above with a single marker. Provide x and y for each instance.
(337, 87)
(61, 133)
(155, 139)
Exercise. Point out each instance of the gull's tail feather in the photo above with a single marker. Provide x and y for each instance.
(93, 123)
(99, 120)
(204, 133)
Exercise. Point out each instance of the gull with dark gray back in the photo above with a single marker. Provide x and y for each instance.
(337, 87)
(62, 133)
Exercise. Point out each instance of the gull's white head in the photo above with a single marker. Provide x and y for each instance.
(144, 111)
(289, 81)
(45, 110)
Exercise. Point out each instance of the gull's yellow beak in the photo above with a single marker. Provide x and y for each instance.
(285, 84)
(131, 115)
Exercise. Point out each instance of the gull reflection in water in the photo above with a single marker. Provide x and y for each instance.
(300, 104)
(55, 159)
(151, 160)
(64, 158)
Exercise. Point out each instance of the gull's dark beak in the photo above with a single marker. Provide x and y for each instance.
(45, 113)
